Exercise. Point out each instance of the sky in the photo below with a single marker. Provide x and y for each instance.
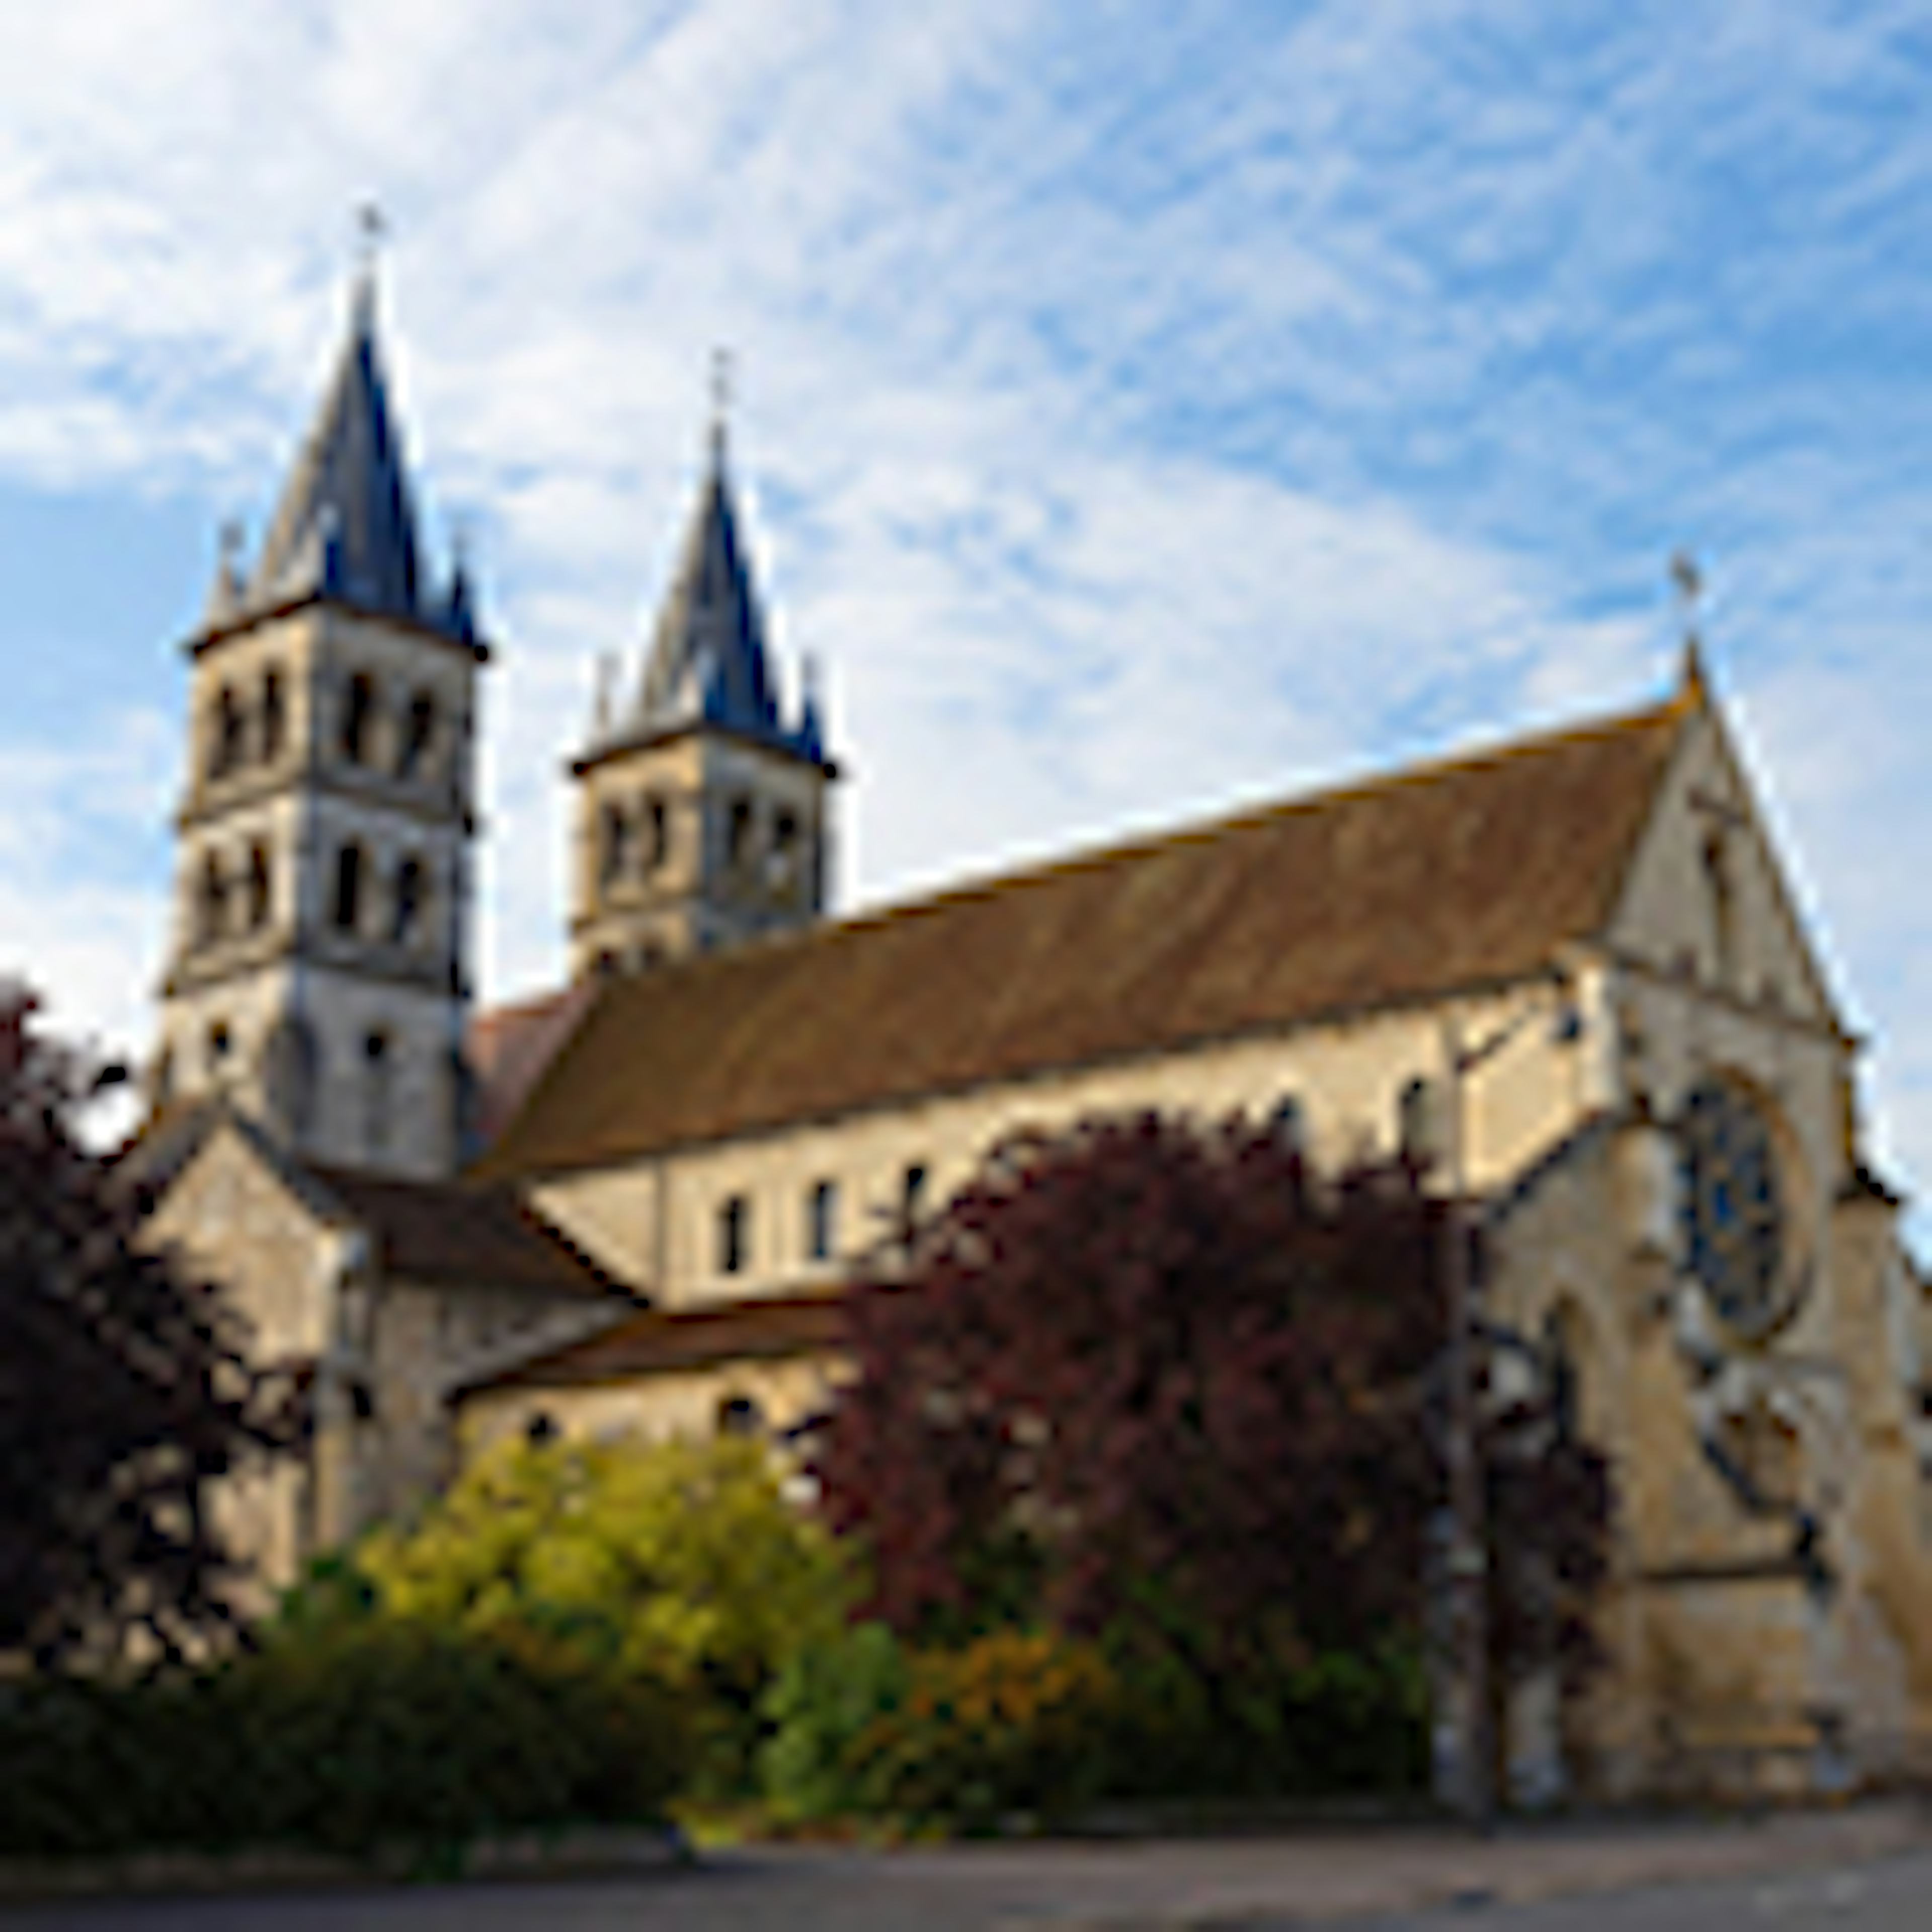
(1138, 409)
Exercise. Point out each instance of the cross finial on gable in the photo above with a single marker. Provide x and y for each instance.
(1693, 686)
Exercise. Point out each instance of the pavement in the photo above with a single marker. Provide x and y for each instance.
(1867, 1866)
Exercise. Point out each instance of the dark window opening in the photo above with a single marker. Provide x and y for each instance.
(418, 731)
(406, 914)
(218, 1043)
(607, 965)
(821, 1217)
(615, 857)
(211, 901)
(912, 1194)
(348, 910)
(539, 1429)
(739, 1415)
(260, 892)
(358, 718)
(1413, 1136)
(734, 1235)
(657, 834)
(738, 832)
(275, 719)
(1288, 1124)
(225, 753)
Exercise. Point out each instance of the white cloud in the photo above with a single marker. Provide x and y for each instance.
(1142, 410)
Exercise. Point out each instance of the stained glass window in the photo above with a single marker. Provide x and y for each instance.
(1733, 1210)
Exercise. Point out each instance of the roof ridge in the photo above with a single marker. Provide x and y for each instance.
(827, 932)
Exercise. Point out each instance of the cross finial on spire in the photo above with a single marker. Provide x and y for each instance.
(372, 230)
(721, 401)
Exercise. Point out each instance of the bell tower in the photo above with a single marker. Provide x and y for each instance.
(701, 817)
(317, 975)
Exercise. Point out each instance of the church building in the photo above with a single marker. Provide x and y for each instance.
(1572, 960)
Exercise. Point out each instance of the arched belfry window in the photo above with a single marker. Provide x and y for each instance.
(211, 909)
(358, 718)
(228, 731)
(274, 716)
(261, 886)
(738, 827)
(349, 867)
(405, 918)
(613, 839)
(419, 733)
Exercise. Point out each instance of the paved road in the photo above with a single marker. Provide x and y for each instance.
(1224, 1886)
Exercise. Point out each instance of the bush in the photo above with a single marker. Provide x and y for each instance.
(392, 1733)
(821, 1703)
(1013, 1721)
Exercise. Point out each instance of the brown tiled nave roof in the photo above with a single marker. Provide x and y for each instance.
(1464, 873)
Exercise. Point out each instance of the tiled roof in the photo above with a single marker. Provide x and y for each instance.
(759, 1328)
(509, 1047)
(1462, 873)
(427, 1231)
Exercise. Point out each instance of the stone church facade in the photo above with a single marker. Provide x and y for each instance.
(628, 1206)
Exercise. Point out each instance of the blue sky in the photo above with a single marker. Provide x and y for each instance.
(1142, 408)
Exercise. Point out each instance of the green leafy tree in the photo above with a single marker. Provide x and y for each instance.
(679, 1560)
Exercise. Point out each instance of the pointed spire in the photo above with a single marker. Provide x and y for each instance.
(345, 528)
(708, 661)
(225, 593)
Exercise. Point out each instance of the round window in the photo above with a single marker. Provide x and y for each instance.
(1733, 1207)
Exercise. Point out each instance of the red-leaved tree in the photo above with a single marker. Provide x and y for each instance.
(1143, 1370)
(123, 1390)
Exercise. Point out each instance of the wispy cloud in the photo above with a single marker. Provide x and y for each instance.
(1141, 409)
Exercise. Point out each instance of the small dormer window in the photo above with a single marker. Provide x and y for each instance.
(358, 718)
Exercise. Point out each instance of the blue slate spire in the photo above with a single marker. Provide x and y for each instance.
(345, 529)
(709, 663)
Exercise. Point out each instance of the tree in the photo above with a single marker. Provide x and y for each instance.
(1147, 1377)
(681, 1560)
(125, 1390)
